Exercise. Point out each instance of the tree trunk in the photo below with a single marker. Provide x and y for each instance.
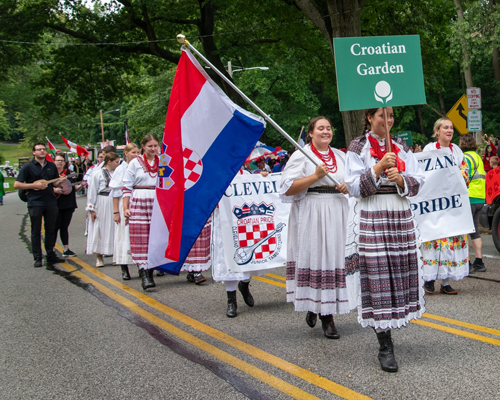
(338, 18)
(206, 29)
(420, 120)
(466, 63)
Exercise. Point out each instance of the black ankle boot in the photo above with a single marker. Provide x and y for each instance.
(311, 319)
(386, 352)
(245, 292)
(329, 326)
(125, 273)
(147, 278)
(231, 304)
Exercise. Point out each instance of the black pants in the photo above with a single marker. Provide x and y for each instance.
(62, 224)
(49, 214)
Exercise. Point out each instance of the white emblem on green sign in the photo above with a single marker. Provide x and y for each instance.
(380, 71)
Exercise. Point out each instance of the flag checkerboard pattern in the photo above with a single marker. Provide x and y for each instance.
(248, 235)
(193, 167)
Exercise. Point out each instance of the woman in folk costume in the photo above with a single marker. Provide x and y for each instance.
(315, 274)
(139, 186)
(199, 258)
(382, 258)
(447, 258)
(121, 252)
(101, 232)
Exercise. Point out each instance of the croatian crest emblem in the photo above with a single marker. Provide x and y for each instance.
(255, 236)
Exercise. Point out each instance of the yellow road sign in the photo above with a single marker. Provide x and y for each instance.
(458, 115)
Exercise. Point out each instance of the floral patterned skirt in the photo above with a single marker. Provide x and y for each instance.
(446, 258)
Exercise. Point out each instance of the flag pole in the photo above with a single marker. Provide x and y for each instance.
(182, 40)
(300, 133)
(387, 134)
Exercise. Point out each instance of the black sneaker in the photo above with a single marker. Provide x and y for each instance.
(478, 266)
(448, 290)
(198, 278)
(38, 263)
(429, 287)
(68, 253)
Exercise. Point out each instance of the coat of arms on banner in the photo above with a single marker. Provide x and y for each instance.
(255, 235)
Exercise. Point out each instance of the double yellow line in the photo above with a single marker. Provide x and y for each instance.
(261, 375)
(428, 324)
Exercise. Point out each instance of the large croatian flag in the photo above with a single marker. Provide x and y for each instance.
(206, 140)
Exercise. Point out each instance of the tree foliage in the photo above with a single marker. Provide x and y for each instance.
(64, 60)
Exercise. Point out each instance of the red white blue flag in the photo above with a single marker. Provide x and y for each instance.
(206, 140)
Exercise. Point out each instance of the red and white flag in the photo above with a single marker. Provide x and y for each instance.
(74, 148)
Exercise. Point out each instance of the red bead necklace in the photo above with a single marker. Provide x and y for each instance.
(328, 159)
(151, 169)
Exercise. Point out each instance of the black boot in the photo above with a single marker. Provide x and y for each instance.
(125, 273)
(231, 304)
(245, 292)
(329, 327)
(147, 278)
(386, 352)
(311, 319)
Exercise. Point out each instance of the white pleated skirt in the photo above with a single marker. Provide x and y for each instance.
(121, 251)
(315, 273)
(101, 232)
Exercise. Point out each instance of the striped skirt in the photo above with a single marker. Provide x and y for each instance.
(315, 274)
(199, 259)
(387, 262)
(141, 209)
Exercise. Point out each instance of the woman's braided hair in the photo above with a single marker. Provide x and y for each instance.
(368, 112)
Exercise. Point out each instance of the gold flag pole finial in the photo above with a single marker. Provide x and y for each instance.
(182, 39)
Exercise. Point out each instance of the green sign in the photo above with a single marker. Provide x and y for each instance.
(406, 136)
(380, 71)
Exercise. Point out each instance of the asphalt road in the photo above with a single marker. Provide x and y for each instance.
(82, 333)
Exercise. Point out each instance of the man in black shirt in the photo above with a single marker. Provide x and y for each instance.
(41, 202)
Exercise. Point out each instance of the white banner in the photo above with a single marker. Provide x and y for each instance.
(441, 207)
(254, 223)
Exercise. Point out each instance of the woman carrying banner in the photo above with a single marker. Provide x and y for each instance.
(121, 252)
(232, 280)
(101, 232)
(139, 185)
(477, 195)
(446, 258)
(315, 274)
(382, 260)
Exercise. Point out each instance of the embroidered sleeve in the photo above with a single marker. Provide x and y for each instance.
(412, 186)
(367, 184)
(92, 192)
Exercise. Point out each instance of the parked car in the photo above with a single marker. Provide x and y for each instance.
(490, 214)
